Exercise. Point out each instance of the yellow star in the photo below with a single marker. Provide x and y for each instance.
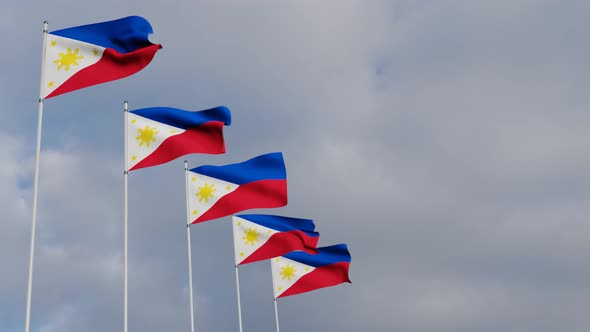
(280, 288)
(228, 188)
(53, 43)
(193, 179)
(269, 232)
(133, 120)
(50, 84)
(239, 223)
(277, 260)
(172, 131)
(242, 254)
(95, 52)
(306, 269)
(194, 212)
(134, 157)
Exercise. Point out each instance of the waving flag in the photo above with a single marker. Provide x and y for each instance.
(259, 236)
(158, 135)
(86, 55)
(300, 272)
(219, 191)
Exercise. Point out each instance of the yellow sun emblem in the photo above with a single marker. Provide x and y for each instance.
(146, 136)
(68, 59)
(206, 192)
(251, 236)
(288, 272)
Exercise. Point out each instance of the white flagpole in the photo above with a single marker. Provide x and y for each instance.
(275, 299)
(238, 292)
(36, 182)
(237, 286)
(188, 239)
(125, 218)
(276, 314)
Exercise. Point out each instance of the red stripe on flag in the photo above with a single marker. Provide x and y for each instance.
(323, 276)
(206, 138)
(283, 243)
(112, 66)
(253, 195)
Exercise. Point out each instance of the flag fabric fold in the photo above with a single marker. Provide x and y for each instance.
(87, 55)
(300, 272)
(258, 236)
(158, 135)
(219, 191)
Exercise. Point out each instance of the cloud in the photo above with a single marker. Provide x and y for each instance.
(443, 142)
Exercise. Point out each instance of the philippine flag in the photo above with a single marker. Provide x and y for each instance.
(299, 272)
(259, 236)
(158, 135)
(91, 54)
(219, 191)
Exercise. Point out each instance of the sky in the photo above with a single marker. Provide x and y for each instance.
(445, 142)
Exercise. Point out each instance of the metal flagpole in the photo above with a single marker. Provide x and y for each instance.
(36, 182)
(275, 299)
(276, 314)
(188, 239)
(238, 292)
(125, 218)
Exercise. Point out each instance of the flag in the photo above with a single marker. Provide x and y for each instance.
(299, 272)
(219, 191)
(86, 55)
(259, 236)
(158, 135)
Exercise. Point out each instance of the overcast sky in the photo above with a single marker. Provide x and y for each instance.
(446, 142)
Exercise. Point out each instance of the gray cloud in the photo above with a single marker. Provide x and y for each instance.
(443, 142)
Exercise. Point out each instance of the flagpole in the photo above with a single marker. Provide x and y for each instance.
(125, 218)
(275, 299)
(276, 314)
(36, 182)
(188, 239)
(238, 293)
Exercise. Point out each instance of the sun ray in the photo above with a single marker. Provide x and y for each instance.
(146, 136)
(68, 59)
(288, 271)
(206, 192)
(251, 236)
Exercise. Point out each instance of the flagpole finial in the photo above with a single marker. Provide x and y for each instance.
(186, 165)
(45, 24)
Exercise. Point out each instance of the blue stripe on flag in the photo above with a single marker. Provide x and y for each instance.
(185, 119)
(325, 256)
(269, 166)
(282, 224)
(124, 35)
